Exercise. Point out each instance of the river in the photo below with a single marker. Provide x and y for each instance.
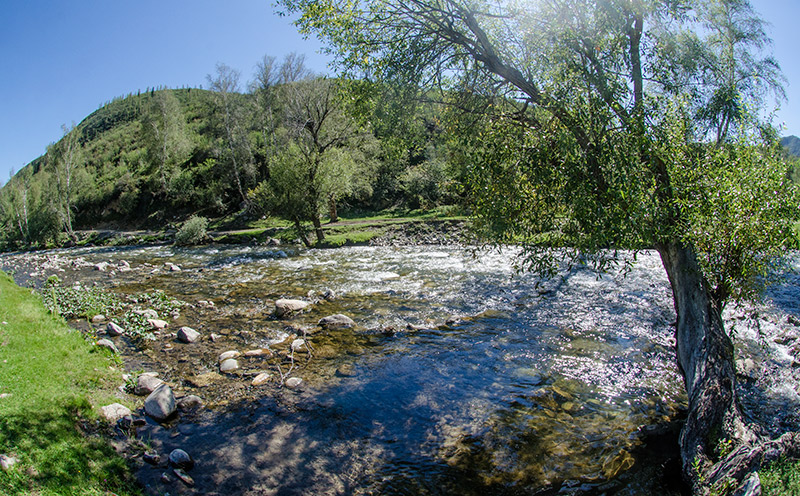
(462, 376)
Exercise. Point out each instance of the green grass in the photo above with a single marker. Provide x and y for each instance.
(56, 380)
(782, 478)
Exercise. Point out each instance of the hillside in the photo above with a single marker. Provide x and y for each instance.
(150, 160)
(792, 145)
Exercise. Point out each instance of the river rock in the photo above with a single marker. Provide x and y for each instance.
(181, 459)
(183, 476)
(158, 324)
(205, 304)
(114, 329)
(98, 318)
(161, 403)
(337, 321)
(284, 308)
(293, 382)
(146, 384)
(298, 344)
(106, 343)
(346, 370)
(102, 266)
(188, 335)
(229, 354)
(172, 267)
(261, 379)
(190, 402)
(229, 365)
(257, 353)
(114, 411)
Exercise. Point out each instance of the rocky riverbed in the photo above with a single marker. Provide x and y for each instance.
(406, 370)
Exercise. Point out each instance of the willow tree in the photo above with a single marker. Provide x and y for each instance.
(582, 125)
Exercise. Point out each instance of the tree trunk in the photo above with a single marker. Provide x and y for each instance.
(333, 211)
(302, 233)
(318, 229)
(706, 360)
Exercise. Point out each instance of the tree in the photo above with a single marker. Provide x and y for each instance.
(325, 156)
(163, 131)
(225, 85)
(66, 156)
(580, 129)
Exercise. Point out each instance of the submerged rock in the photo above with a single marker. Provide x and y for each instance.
(293, 382)
(229, 365)
(160, 405)
(229, 354)
(261, 379)
(337, 321)
(183, 476)
(284, 308)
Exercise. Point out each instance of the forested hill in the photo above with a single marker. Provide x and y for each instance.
(792, 145)
(296, 149)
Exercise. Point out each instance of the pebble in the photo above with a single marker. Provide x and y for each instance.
(228, 354)
(157, 324)
(293, 382)
(151, 457)
(229, 365)
(188, 335)
(261, 379)
(183, 476)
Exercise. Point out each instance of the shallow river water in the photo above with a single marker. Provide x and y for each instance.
(461, 377)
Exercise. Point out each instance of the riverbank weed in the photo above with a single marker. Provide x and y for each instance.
(78, 302)
(781, 478)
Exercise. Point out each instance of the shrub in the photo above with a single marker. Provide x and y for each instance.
(192, 232)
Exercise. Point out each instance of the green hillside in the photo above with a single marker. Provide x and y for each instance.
(298, 150)
(792, 145)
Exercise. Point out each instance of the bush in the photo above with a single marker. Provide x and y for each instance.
(192, 232)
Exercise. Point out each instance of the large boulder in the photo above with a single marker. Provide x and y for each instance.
(160, 405)
(284, 308)
(337, 321)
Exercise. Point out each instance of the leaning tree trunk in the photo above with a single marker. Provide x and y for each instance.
(706, 360)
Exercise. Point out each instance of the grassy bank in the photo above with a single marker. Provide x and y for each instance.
(52, 381)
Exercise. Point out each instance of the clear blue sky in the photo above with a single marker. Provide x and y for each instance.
(62, 60)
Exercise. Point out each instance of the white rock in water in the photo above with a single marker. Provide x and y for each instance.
(161, 403)
(298, 344)
(229, 365)
(115, 411)
(287, 307)
(261, 378)
(293, 382)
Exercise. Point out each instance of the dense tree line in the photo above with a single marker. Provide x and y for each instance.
(289, 144)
